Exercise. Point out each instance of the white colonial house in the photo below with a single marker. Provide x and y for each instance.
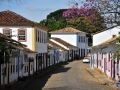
(74, 37)
(102, 53)
(27, 32)
(24, 31)
(66, 52)
(14, 69)
(54, 51)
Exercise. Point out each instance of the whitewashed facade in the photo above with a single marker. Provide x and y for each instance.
(69, 51)
(100, 37)
(18, 67)
(102, 60)
(75, 37)
(39, 38)
(26, 32)
(102, 53)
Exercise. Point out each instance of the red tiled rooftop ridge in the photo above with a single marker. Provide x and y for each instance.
(9, 17)
(67, 30)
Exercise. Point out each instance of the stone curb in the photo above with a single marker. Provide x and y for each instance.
(93, 74)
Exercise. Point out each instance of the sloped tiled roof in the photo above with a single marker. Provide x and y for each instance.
(10, 18)
(67, 30)
(52, 45)
(107, 41)
(63, 42)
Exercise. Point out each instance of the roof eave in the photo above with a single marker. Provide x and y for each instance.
(66, 32)
(25, 24)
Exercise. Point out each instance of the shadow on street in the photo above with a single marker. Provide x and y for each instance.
(39, 82)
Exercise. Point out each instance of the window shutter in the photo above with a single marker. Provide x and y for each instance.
(22, 35)
(22, 32)
(7, 33)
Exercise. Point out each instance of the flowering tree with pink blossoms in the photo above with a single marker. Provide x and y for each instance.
(85, 18)
(109, 9)
(74, 12)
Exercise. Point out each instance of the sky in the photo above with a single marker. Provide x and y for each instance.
(35, 10)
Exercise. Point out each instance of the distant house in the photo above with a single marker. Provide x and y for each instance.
(102, 53)
(54, 51)
(25, 31)
(74, 37)
(70, 50)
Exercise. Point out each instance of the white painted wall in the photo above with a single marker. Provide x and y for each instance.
(70, 38)
(105, 35)
(62, 55)
(109, 49)
(12, 76)
(51, 52)
(81, 45)
(15, 32)
(41, 47)
(33, 64)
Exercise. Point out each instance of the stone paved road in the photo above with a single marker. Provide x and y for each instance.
(72, 76)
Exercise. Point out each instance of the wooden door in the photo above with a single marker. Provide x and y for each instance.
(105, 63)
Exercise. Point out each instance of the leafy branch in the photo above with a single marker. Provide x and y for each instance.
(4, 55)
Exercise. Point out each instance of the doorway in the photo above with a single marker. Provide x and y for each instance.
(114, 69)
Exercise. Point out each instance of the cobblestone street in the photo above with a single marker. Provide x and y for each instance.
(72, 76)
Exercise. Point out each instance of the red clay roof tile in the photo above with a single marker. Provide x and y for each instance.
(67, 30)
(11, 18)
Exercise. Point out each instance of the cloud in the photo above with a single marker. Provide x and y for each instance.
(39, 9)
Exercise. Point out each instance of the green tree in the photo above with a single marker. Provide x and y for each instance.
(54, 20)
(3, 50)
